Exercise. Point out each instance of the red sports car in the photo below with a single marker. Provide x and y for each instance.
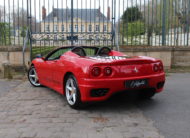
(86, 74)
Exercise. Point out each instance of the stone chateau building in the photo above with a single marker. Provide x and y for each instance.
(89, 25)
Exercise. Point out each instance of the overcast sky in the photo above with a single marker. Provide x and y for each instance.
(36, 5)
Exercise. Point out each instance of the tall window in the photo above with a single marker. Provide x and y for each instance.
(55, 37)
(82, 28)
(63, 28)
(97, 28)
(90, 28)
(47, 28)
(55, 28)
(76, 28)
(70, 27)
(105, 28)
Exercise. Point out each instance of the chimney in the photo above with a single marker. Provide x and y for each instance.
(43, 13)
(108, 13)
(99, 12)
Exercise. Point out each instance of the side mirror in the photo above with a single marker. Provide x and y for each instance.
(38, 56)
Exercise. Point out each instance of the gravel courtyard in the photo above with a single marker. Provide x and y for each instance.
(28, 112)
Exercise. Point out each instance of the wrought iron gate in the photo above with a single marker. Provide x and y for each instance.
(70, 22)
(55, 23)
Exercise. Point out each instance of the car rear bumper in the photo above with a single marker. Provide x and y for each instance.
(114, 85)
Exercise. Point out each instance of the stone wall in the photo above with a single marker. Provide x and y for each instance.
(181, 57)
(171, 56)
(13, 56)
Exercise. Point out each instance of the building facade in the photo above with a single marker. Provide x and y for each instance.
(88, 24)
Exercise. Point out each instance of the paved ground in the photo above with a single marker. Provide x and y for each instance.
(6, 85)
(26, 111)
(170, 110)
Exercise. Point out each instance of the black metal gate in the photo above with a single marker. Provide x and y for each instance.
(55, 23)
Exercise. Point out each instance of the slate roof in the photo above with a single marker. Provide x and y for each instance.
(87, 15)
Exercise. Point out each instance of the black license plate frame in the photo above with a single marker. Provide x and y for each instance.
(135, 84)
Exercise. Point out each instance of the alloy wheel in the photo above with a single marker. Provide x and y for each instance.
(71, 91)
(33, 77)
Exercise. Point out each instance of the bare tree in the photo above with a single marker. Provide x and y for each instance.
(1, 14)
(20, 20)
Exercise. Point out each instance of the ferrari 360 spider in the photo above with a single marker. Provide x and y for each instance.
(90, 74)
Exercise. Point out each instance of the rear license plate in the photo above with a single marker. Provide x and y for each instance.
(136, 83)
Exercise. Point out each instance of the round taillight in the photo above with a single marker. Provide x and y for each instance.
(96, 71)
(156, 67)
(107, 71)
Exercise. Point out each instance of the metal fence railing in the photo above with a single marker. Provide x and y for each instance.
(95, 22)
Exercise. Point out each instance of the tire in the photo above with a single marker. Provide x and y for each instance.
(72, 92)
(147, 94)
(33, 77)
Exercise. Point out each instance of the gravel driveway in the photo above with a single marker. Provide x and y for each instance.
(30, 112)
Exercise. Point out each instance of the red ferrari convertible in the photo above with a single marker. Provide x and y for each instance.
(85, 74)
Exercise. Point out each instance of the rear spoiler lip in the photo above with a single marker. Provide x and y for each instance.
(127, 62)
